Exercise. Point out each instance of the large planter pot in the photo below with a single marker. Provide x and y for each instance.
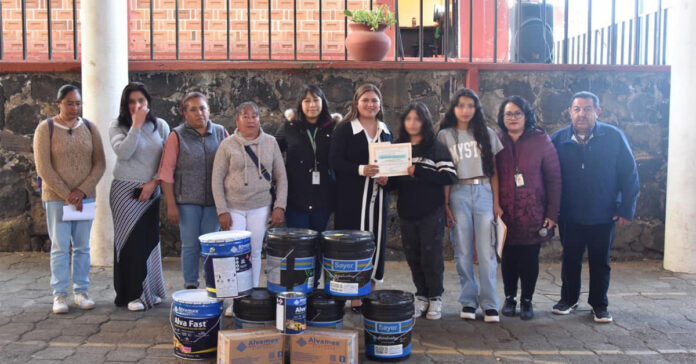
(364, 44)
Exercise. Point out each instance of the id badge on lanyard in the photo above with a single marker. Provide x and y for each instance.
(519, 179)
(316, 176)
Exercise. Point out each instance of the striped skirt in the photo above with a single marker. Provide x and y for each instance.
(137, 252)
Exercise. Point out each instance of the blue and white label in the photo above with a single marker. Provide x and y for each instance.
(338, 324)
(336, 288)
(337, 265)
(380, 327)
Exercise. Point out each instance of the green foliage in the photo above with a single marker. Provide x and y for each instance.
(372, 18)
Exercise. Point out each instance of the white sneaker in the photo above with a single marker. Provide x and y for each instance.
(83, 301)
(229, 312)
(420, 307)
(434, 309)
(157, 300)
(136, 305)
(59, 304)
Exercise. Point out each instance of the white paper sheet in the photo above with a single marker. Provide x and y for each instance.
(225, 277)
(500, 234)
(87, 213)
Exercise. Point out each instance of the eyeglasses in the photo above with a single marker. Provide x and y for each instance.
(513, 115)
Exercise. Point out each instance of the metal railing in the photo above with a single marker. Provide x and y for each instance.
(641, 40)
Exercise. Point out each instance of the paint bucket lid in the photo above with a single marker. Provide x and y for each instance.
(323, 307)
(224, 236)
(260, 305)
(194, 297)
(291, 234)
(388, 305)
(347, 236)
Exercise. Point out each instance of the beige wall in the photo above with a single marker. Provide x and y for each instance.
(408, 9)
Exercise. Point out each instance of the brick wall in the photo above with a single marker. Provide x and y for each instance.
(215, 28)
(62, 31)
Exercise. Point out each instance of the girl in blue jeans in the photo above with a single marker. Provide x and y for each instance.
(472, 203)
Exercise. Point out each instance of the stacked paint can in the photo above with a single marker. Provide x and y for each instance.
(255, 310)
(291, 312)
(227, 265)
(347, 262)
(388, 318)
(290, 259)
(195, 320)
(324, 311)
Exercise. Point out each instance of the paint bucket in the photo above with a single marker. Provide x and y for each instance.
(195, 319)
(325, 311)
(226, 260)
(290, 259)
(291, 312)
(347, 261)
(255, 310)
(388, 318)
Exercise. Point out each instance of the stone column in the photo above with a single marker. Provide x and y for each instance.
(680, 229)
(104, 74)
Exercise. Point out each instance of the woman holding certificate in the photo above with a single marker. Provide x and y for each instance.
(530, 195)
(472, 203)
(421, 207)
(361, 202)
(69, 159)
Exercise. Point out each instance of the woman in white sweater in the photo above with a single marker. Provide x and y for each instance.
(246, 165)
(137, 137)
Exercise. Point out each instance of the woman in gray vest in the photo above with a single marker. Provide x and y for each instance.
(137, 137)
(185, 172)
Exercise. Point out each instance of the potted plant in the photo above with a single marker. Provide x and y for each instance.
(367, 40)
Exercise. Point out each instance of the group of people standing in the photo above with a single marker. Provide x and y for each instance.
(464, 177)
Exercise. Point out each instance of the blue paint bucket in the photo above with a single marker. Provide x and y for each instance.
(195, 319)
(347, 261)
(325, 311)
(388, 319)
(291, 312)
(255, 310)
(227, 265)
(290, 259)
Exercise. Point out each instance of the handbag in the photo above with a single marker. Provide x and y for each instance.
(264, 172)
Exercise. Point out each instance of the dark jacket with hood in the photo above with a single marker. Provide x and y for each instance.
(293, 139)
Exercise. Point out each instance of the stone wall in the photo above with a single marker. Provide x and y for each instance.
(636, 101)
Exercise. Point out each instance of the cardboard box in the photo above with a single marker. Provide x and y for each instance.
(256, 345)
(324, 346)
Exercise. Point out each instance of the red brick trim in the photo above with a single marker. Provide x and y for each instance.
(173, 65)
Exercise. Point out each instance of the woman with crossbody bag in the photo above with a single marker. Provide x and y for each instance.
(246, 165)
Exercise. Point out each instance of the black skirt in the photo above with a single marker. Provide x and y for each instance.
(137, 252)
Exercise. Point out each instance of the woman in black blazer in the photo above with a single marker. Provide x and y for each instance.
(361, 202)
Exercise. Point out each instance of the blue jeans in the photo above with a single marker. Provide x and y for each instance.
(316, 220)
(472, 207)
(64, 234)
(194, 221)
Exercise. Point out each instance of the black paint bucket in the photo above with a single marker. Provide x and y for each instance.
(290, 258)
(388, 318)
(347, 261)
(255, 310)
(324, 311)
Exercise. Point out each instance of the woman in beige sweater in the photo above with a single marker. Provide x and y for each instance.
(69, 159)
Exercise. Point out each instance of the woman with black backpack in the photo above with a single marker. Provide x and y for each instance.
(69, 159)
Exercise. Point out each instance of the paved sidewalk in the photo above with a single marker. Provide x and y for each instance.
(654, 312)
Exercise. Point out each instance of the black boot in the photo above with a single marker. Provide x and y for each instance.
(526, 310)
(509, 306)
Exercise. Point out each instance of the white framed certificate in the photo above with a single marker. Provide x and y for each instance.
(392, 159)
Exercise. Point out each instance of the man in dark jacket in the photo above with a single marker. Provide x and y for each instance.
(599, 188)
